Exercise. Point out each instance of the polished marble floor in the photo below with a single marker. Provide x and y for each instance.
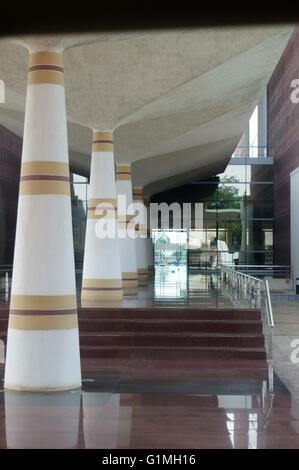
(170, 286)
(163, 403)
(139, 404)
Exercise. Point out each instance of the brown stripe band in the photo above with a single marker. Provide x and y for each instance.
(32, 68)
(102, 141)
(45, 178)
(42, 312)
(102, 288)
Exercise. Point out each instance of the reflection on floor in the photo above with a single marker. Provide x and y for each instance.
(170, 286)
(141, 404)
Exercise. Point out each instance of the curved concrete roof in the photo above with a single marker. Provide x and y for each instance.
(177, 100)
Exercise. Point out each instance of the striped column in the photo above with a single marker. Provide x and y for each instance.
(102, 265)
(43, 341)
(141, 249)
(126, 243)
(149, 242)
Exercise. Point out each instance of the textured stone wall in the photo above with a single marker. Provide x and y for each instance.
(10, 161)
(283, 139)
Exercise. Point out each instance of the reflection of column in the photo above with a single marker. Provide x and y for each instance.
(42, 421)
(101, 420)
(126, 243)
(141, 242)
(43, 341)
(102, 266)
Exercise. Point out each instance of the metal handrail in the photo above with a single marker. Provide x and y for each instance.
(246, 290)
(263, 270)
(269, 305)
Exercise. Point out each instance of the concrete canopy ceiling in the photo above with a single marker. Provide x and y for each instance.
(178, 101)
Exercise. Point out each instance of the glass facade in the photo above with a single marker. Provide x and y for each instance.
(237, 216)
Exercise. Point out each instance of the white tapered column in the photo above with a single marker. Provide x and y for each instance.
(43, 341)
(126, 242)
(149, 241)
(102, 278)
(141, 248)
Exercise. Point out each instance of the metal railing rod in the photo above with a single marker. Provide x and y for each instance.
(269, 305)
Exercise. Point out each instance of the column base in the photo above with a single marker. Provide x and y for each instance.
(143, 277)
(95, 290)
(42, 360)
(130, 283)
(17, 388)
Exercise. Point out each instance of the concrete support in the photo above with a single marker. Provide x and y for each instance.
(102, 265)
(141, 242)
(262, 125)
(149, 241)
(43, 341)
(126, 242)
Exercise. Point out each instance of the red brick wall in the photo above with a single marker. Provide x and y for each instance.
(10, 162)
(283, 139)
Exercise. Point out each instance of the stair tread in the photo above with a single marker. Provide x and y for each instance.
(174, 334)
(175, 348)
(168, 320)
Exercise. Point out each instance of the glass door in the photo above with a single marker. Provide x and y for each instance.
(170, 251)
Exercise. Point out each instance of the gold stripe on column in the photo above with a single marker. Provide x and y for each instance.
(126, 276)
(100, 295)
(43, 302)
(101, 213)
(143, 276)
(39, 167)
(44, 187)
(142, 271)
(130, 283)
(102, 141)
(46, 58)
(103, 135)
(102, 208)
(36, 322)
(96, 202)
(123, 173)
(102, 289)
(52, 77)
(125, 218)
(102, 283)
(137, 194)
(45, 67)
